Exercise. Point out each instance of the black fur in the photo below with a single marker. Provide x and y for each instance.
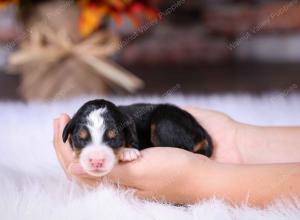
(141, 126)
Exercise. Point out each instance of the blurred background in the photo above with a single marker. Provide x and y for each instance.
(52, 50)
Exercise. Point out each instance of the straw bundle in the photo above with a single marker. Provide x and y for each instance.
(55, 62)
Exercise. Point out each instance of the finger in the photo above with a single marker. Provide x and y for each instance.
(120, 175)
(64, 149)
(189, 108)
(132, 174)
(128, 174)
(56, 143)
(56, 139)
(75, 169)
(79, 175)
(55, 129)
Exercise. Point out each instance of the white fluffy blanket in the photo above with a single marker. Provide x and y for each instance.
(33, 186)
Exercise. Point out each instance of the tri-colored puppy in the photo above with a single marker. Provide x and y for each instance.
(102, 133)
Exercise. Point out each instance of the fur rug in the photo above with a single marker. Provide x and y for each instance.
(33, 186)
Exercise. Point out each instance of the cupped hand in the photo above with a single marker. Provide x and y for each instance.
(224, 132)
(162, 173)
(178, 176)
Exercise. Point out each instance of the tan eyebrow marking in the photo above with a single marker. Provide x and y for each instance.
(111, 133)
(83, 134)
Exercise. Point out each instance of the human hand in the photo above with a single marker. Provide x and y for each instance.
(169, 174)
(179, 176)
(224, 132)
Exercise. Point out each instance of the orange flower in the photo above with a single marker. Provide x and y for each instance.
(93, 12)
(5, 3)
(91, 17)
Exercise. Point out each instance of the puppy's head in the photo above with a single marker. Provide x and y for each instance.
(96, 131)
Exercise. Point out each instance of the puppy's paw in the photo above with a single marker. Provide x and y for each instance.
(129, 154)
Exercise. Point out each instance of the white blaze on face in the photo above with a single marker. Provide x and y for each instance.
(96, 125)
(97, 149)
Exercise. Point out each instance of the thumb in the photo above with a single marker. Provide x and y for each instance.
(124, 174)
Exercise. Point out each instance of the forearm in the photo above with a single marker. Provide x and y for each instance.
(269, 144)
(256, 185)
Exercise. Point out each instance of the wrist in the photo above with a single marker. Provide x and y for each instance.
(203, 173)
(218, 180)
(249, 138)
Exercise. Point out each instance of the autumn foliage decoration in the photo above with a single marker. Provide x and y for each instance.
(94, 13)
(4, 3)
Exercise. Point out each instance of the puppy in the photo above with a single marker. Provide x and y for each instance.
(102, 134)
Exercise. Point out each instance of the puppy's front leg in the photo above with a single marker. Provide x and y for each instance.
(129, 154)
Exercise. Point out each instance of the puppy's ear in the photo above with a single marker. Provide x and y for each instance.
(67, 130)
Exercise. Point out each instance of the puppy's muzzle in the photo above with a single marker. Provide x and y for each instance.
(97, 160)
